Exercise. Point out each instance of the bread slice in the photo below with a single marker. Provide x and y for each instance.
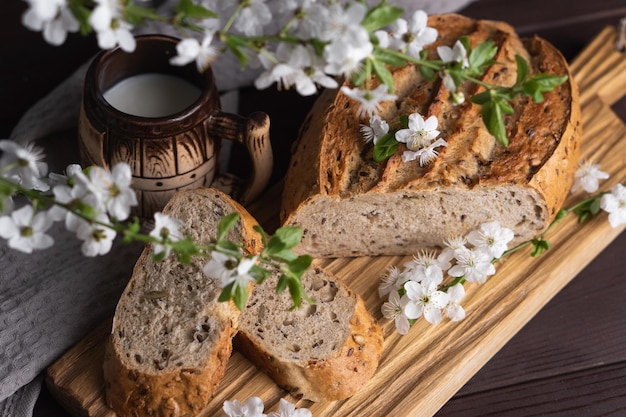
(321, 352)
(171, 339)
(350, 205)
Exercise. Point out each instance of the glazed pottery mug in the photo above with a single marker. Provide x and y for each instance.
(172, 140)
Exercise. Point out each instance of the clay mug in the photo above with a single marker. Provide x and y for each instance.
(170, 148)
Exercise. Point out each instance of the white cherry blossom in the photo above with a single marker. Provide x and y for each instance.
(165, 227)
(344, 56)
(253, 18)
(228, 270)
(252, 407)
(492, 238)
(111, 30)
(26, 230)
(454, 310)
(392, 281)
(393, 309)
(614, 203)
(190, 50)
(287, 409)
(369, 100)
(52, 17)
(426, 268)
(74, 197)
(425, 300)
(457, 53)
(425, 155)
(97, 238)
(587, 177)
(114, 189)
(475, 265)
(343, 24)
(295, 66)
(377, 128)
(420, 133)
(25, 163)
(411, 36)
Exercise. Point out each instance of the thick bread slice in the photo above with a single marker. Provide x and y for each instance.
(171, 338)
(349, 205)
(321, 352)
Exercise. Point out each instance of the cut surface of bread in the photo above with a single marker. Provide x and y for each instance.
(171, 338)
(350, 205)
(321, 352)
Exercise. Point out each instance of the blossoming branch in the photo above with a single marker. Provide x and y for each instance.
(95, 205)
(420, 288)
(316, 43)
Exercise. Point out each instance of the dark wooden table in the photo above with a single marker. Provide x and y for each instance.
(570, 360)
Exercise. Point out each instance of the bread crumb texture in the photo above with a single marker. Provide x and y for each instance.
(171, 339)
(322, 351)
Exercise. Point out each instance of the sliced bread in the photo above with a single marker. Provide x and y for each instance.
(171, 338)
(321, 352)
(350, 205)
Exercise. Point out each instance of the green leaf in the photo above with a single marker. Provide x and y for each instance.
(241, 297)
(234, 47)
(189, 9)
(132, 229)
(289, 235)
(259, 274)
(522, 69)
(483, 54)
(299, 265)
(227, 293)
(282, 283)
(428, 73)
(482, 98)
(383, 74)
(493, 118)
(539, 246)
(381, 16)
(296, 291)
(158, 257)
(538, 84)
(225, 224)
(594, 207)
(385, 147)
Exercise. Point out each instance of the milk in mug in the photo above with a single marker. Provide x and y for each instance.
(152, 95)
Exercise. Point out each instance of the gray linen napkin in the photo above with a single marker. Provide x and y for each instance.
(51, 299)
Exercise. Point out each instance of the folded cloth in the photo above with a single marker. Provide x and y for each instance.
(53, 298)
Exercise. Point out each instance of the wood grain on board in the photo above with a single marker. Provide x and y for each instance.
(421, 371)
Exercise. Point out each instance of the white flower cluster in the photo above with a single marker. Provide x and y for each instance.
(420, 137)
(318, 40)
(92, 204)
(418, 291)
(253, 407)
(105, 194)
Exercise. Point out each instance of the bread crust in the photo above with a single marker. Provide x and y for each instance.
(335, 377)
(185, 388)
(332, 168)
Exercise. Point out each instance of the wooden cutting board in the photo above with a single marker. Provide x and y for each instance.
(422, 370)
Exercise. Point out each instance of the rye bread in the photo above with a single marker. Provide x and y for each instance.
(171, 339)
(321, 352)
(350, 205)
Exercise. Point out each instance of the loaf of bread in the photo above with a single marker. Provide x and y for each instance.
(321, 352)
(350, 205)
(171, 338)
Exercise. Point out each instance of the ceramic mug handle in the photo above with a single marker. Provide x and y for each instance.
(253, 133)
